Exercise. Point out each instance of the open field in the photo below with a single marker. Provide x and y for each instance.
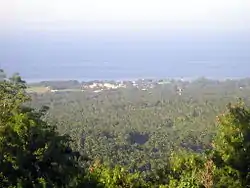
(38, 89)
(42, 89)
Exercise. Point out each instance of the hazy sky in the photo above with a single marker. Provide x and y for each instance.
(124, 15)
(71, 38)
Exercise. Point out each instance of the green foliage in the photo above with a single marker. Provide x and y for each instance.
(232, 144)
(185, 169)
(32, 153)
(146, 139)
(226, 164)
(116, 177)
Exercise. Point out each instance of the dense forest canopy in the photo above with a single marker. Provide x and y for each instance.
(144, 134)
(139, 127)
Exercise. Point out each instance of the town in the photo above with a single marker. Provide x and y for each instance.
(98, 86)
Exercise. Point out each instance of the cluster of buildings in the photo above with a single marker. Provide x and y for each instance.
(99, 86)
(103, 86)
(142, 84)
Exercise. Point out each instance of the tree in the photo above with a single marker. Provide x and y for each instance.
(119, 177)
(227, 164)
(32, 153)
(231, 147)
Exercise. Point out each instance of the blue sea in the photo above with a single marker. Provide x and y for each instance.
(42, 57)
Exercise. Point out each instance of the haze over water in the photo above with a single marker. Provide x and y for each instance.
(52, 40)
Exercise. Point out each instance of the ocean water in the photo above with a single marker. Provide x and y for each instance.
(130, 72)
(79, 58)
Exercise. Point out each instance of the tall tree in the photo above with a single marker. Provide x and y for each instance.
(32, 153)
(227, 164)
(232, 147)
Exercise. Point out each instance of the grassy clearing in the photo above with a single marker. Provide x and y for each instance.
(37, 89)
(42, 89)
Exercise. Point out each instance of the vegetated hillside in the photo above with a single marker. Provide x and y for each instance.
(139, 128)
(161, 138)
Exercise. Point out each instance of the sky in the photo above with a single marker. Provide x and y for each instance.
(98, 16)
(118, 35)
